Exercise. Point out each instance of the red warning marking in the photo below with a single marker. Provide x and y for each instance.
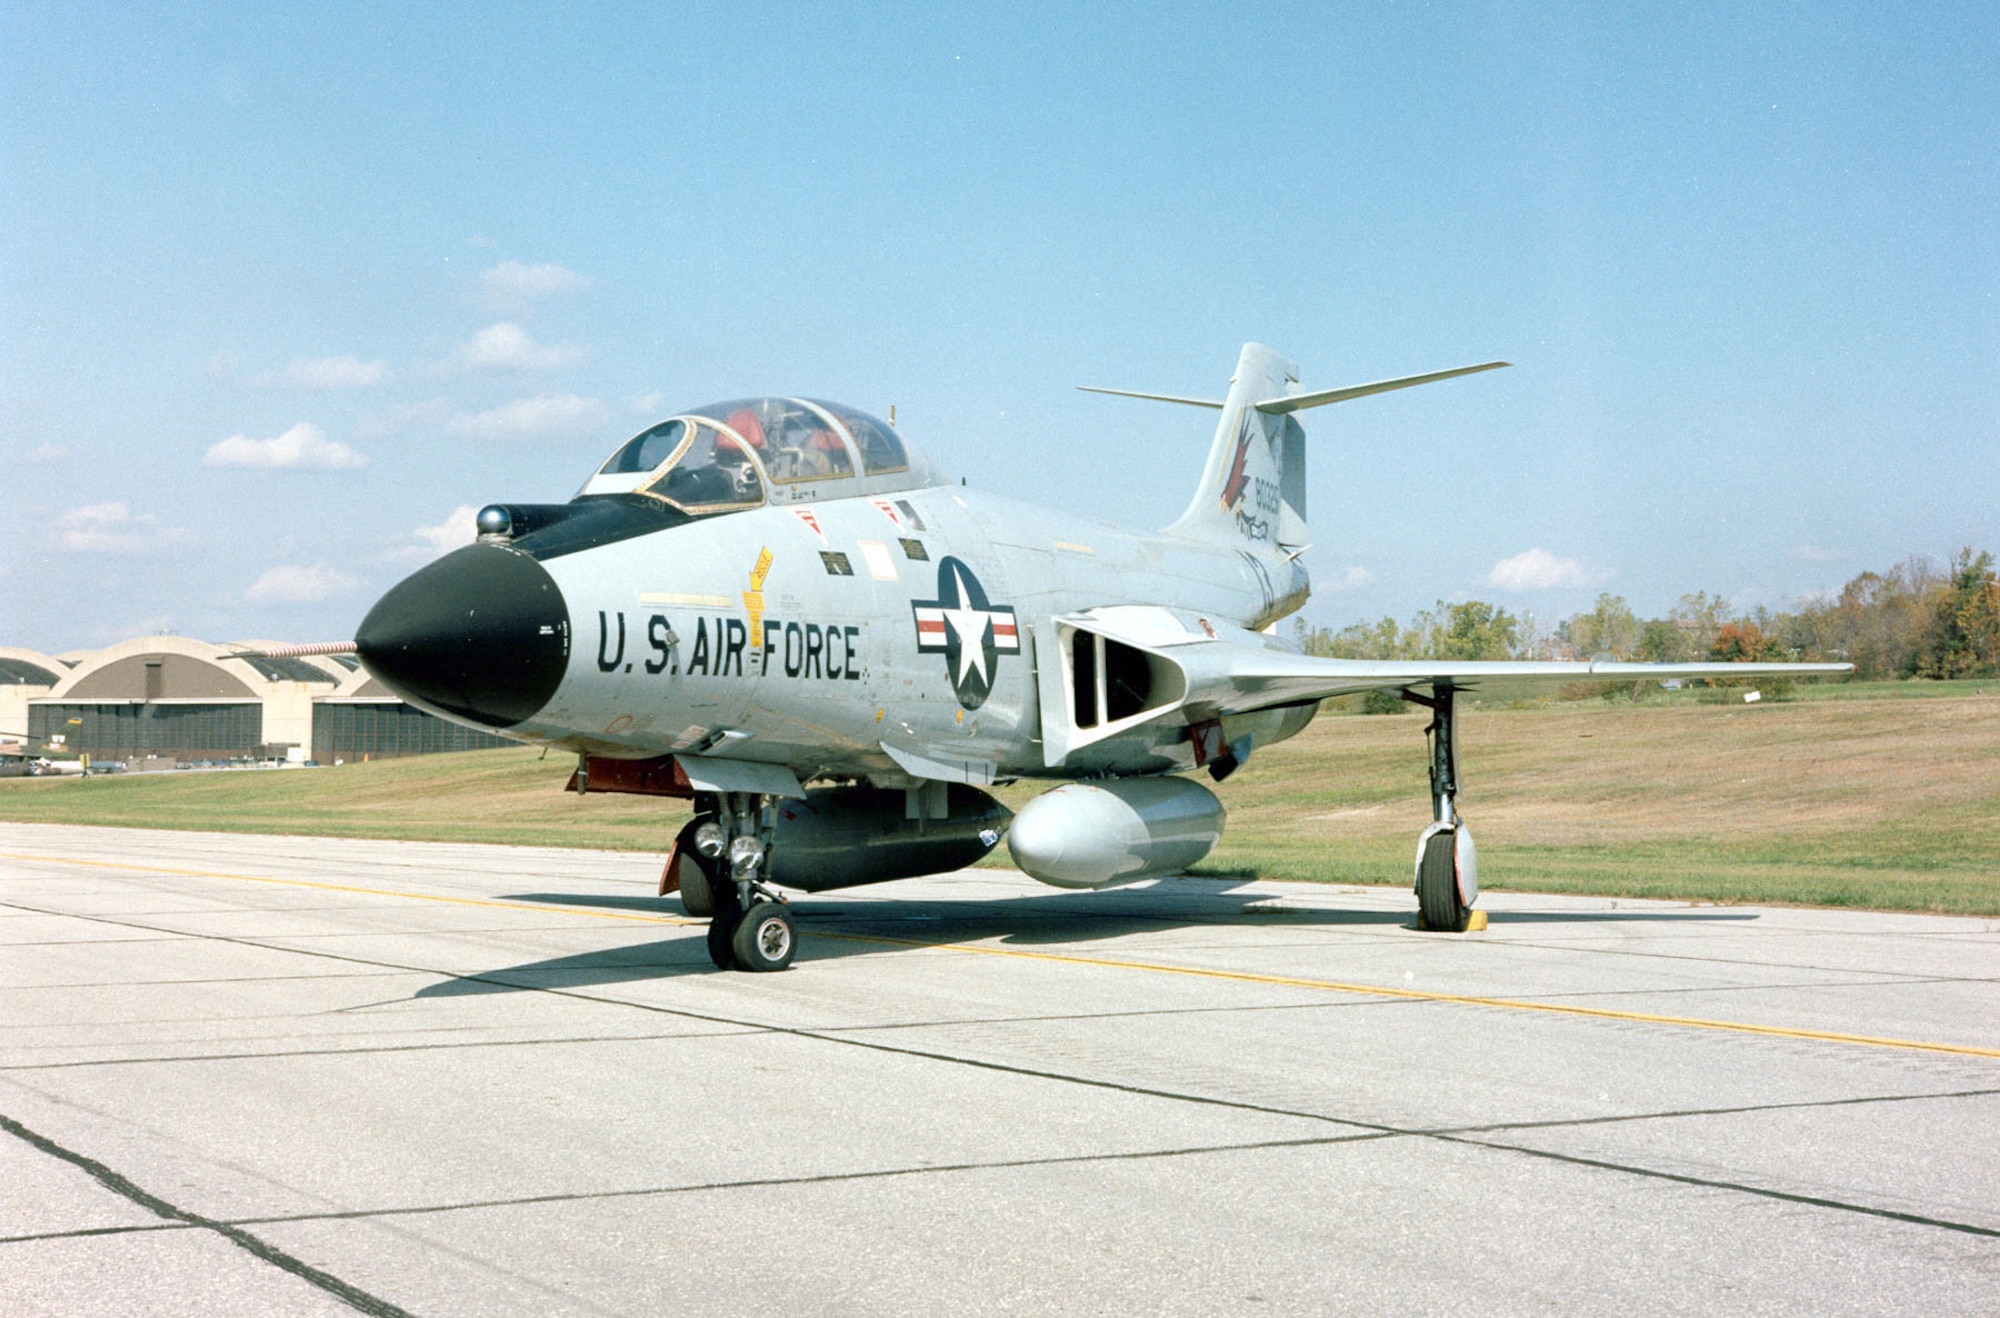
(807, 516)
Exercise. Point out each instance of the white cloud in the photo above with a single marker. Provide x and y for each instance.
(1538, 569)
(223, 365)
(113, 528)
(651, 404)
(328, 373)
(288, 584)
(304, 445)
(505, 346)
(428, 542)
(515, 283)
(1818, 554)
(543, 415)
(1352, 579)
(43, 455)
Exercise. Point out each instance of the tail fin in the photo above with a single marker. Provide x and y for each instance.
(1253, 490)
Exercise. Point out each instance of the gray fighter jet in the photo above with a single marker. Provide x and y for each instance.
(781, 609)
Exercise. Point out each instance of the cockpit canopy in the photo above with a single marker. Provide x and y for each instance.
(729, 456)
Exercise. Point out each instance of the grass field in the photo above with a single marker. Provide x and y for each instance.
(1868, 798)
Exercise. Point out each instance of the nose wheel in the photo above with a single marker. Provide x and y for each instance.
(764, 938)
(749, 928)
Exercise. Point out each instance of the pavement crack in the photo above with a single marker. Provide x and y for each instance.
(824, 1178)
(353, 1296)
(1710, 1112)
(1739, 1187)
(361, 1050)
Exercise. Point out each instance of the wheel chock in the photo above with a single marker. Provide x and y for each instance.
(1475, 921)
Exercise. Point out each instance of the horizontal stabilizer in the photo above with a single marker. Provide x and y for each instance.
(1299, 402)
(1215, 403)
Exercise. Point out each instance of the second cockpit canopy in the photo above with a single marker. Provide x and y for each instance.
(730, 456)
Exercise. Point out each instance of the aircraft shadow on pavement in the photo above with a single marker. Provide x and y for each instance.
(874, 927)
(610, 965)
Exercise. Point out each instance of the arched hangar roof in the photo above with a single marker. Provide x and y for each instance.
(187, 670)
(30, 668)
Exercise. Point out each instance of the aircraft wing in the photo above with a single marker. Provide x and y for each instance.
(1229, 678)
(1204, 671)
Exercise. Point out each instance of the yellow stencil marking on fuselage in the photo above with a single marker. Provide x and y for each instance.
(753, 598)
(682, 598)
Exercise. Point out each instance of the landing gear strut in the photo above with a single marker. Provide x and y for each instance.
(1447, 866)
(749, 927)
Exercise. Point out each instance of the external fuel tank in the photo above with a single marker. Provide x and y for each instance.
(1115, 830)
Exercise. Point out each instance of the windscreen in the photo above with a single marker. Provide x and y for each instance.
(713, 472)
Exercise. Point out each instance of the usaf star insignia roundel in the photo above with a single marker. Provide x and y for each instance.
(971, 633)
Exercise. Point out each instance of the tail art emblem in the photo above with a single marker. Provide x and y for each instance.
(971, 633)
(1232, 489)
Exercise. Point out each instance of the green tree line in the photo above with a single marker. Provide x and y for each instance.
(1915, 620)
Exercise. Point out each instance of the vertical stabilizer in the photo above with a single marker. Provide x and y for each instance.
(1253, 490)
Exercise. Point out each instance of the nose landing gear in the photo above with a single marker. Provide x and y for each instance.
(1447, 877)
(749, 927)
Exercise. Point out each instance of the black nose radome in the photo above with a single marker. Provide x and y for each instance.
(482, 633)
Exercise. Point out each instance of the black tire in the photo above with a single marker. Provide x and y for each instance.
(765, 940)
(1437, 885)
(722, 943)
(723, 924)
(695, 871)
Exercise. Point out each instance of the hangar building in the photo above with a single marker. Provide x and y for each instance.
(176, 698)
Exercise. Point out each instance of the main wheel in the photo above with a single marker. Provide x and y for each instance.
(722, 942)
(695, 872)
(723, 924)
(765, 940)
(1437, 883)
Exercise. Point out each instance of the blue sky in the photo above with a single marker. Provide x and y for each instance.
(285, 290)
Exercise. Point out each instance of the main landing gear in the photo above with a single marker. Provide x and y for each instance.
(720, 856)
(1447, 865)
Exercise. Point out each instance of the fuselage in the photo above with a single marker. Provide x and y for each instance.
(817, 622)
(673, 642)
(902, 619)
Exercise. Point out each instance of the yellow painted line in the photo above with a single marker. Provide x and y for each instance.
(343, 887)
(1103, 963)
(1422, 995)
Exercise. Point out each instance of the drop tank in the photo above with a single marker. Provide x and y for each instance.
(1117, 830)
